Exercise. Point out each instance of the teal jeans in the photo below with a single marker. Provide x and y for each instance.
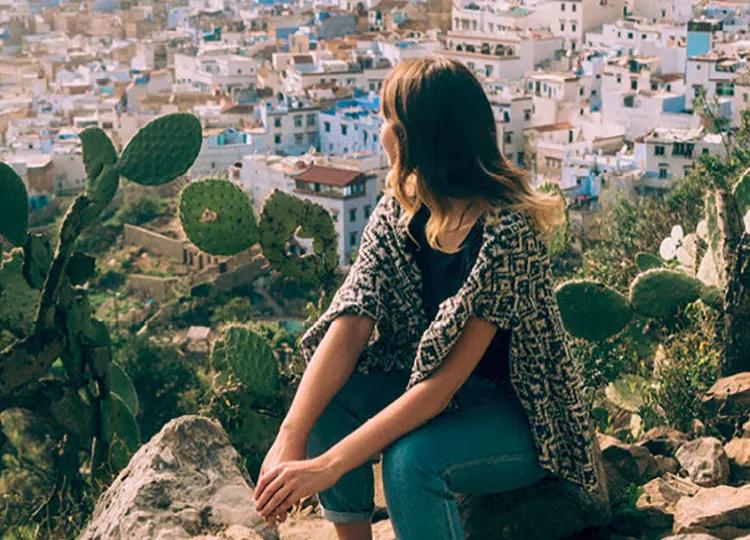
(485, 446)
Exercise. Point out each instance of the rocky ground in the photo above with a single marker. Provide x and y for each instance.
(189, 482)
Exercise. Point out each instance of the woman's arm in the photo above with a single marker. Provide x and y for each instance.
(284, 485)
(330, 367)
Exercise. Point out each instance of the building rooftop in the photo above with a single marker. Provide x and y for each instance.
(331, 176)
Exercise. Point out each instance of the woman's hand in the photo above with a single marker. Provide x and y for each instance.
(283, 486)
(286, 447)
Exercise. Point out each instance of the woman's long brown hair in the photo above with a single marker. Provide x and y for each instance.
(447, 147)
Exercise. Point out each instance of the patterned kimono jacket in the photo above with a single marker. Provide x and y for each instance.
(510, 285)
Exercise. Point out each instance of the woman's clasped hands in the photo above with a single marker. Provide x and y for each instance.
(286, 478)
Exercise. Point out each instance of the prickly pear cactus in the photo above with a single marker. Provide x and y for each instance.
(60, 368)
(217, 217)
(247, 357)
(646, 261)
(592, 311)
(163, 150)
(284, 215)
(661, 292)
(14, 206)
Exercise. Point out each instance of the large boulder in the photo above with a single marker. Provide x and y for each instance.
(705, 461)
(186, 482)
(722, 511)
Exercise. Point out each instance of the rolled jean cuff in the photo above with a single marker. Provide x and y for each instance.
(345, 517)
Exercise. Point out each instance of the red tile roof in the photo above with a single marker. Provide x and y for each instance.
(329, 175)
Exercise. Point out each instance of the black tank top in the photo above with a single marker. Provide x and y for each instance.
(442, 276)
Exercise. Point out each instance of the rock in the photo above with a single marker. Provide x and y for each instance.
(656, 505)
(705, 461)
(626, 464)
(738, 452)
(516, 514)
(722, 511)
(186, 482)
(667, 464)
(727, 403)
(662, 440)
(729, 395)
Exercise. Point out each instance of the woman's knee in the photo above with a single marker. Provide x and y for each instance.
(407, 462)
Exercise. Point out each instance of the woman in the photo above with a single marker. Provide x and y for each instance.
(443, 349)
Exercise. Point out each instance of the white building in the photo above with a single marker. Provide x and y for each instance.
(347, 193)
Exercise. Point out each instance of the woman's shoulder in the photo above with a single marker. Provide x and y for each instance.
(507, 226)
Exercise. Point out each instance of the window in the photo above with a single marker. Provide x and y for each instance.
(630, 35)
(508, 137)
(619, 79)
(521, 158)
(527, 115)
(506, 116)
(562, 26)
(683, 149)
(573, 29)
(634, 84)
(724, 88)
(562, 6)
(297, 120)
(367, 209)
(327, 127)
(311, 137)
(663, 171)
(298, 138)
(659, 150)
(352, 214)
(704, 151)
(277, 139)
(353, 238)
(277, 122)
(310, 119)
(344, 129)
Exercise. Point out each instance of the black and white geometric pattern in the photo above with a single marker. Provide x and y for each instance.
(510, 285)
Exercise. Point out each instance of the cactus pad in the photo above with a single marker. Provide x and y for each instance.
(712, 296)
(282, 216)
(646, 261)
(661, 292)
(101, 190)
(591, 310)
(37, 256)
(741, 192)
(247, 357)
(14, 206)
(17, 298)
(120, 430)
(122, 385)
(80, 268)
(98, 151)
(162, 150)
(217, 217)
